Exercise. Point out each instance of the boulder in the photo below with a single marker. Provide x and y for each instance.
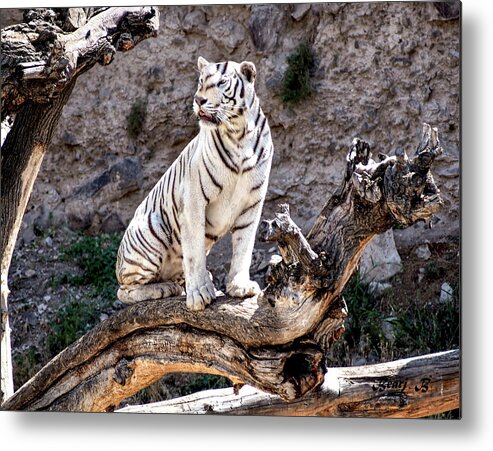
(378, 288)
(380, 260)
(448, 10)
(300, 10)
(446, 293)
(228, 34)
(88, 206)
(118, 180)
(194, 21)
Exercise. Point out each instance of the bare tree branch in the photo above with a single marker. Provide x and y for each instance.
(409, 388)
(275, 341)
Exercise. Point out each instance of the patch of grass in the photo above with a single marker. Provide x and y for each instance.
(96, 257)
(54, 281)
(158, 391)
(364, 325)
(433, 271)
(71, 322)
(432, 328)
(175, 385)
(380, 330)
(26, 364)
(297, 84)
(202, 382)
(136, 118)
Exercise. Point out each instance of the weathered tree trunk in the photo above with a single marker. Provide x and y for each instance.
(409, 388)
(22, 154)
(275, 341)
(41, 60)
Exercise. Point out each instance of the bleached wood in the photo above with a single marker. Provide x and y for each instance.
(409, 388)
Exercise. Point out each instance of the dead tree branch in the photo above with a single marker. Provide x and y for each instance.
(409, 388)
(275, 341)
(40, 62)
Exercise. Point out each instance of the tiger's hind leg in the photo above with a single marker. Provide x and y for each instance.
(138, 293)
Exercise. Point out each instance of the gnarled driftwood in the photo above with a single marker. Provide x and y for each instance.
(276, 341)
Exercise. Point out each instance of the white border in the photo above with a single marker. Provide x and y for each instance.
(95, 431)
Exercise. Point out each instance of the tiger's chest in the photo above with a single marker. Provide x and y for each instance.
(231, 178)
(223, 210)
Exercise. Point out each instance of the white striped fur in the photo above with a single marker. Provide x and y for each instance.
(217, 185)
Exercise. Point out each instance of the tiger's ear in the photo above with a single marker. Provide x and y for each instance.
(202, 62)
(248, 70)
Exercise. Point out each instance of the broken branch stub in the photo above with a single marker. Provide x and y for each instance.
(42, 56)
(410, 189)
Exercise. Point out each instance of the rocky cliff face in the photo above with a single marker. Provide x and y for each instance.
(381, 70)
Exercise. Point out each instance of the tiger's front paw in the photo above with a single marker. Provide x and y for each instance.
(201, 294)
(242, 288)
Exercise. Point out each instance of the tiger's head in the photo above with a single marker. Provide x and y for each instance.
(225, 93)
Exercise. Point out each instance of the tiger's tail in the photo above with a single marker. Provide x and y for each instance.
(139, 293)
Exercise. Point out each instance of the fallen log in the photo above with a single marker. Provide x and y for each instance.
(408, 388)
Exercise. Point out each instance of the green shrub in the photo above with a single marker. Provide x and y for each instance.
(96, 257)
(202, 382)
(71, 322)
(136, 118)
(26, 364)
(365, 319)
(432, 328)
(297, 84)
(416, 328)
(433, 271)
(177, 384)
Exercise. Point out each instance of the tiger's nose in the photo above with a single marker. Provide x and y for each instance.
(200, 100)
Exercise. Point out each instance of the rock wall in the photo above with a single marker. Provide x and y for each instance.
(381, 70)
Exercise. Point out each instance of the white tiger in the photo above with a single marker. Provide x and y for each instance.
(217, 185)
